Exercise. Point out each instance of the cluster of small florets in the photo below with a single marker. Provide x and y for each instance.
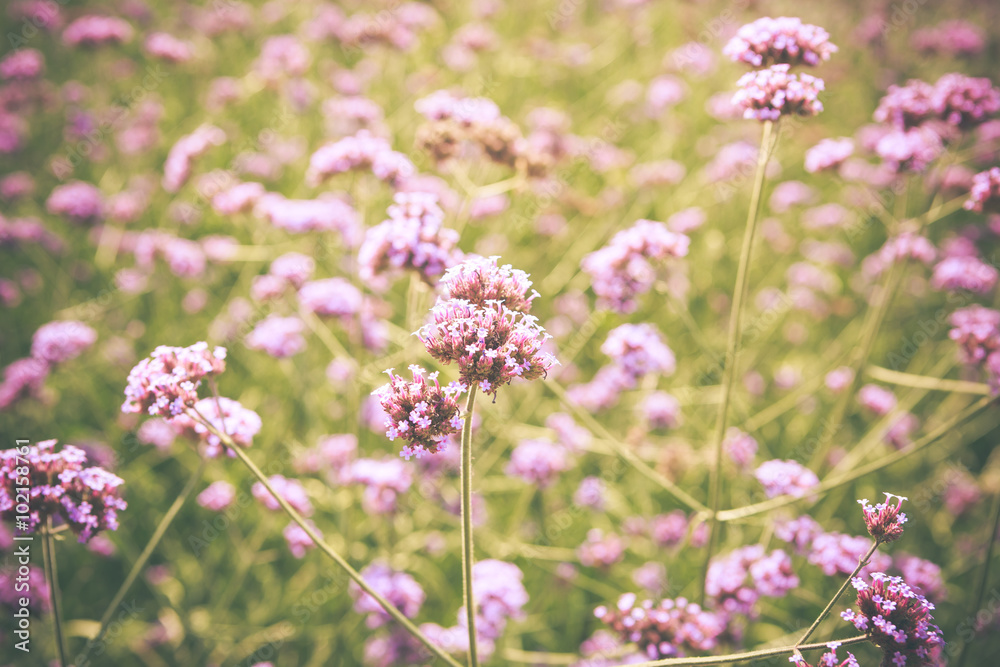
(290, 490)
(383, 480)
(984, 195)
(964, 272)
(236, 421)
(61, 488)
(491, 344)
(419, 411)
(736, 581)
(94, 30)
(912, 149)
(771, 93)
(278, 336)
(500, 596)
(639, 349)
(538, 462)
(960, 101)
(897, 619)
(78, 202)
(621, 270)
(769, 41)
(412, 239)
(667, 629)
(884, 520)
(326, 213)
(479, 280)
(22, 65)
(360, 151)
(828, 659)
(954, 38)
(166, 383)
(828, 153)
(180, 160)
(785, 477)
(976, 330)
(399, 588)
(600, 549)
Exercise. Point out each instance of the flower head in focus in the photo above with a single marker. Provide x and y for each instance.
(166, 383)
(884, 520)
(771, 93)
(419, 411)
(769, 41)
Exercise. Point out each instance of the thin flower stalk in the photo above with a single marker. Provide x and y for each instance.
(468, 555)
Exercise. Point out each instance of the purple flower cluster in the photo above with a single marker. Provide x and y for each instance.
(236, 421)
(984, 195)
(279, 336)
(740, 446)
(500, 596)
(309, 215)
(770, 93)
(785, 477)
(177, 168)
(836, 552)
(639, 350)
(600, 550)
(976, 330)
(666, 629)
(661, 410)
(878, 399)
(621, 270)
(61, 488)
(769, 41)
(298, 539)
(479, 280)
(897, 619)
(217, 496)
(360, 151)
(884, 520)
(166, 383)
(61, 341)
(412, 239)
(383, 480)
(22, 65)
(94, 30)
(78, 202)
(828, 153)
(290, 490)
(736, 581)
(421, 413)
(491, 344)
(954, 38)
(538, 462)
(964, 272)
(397, 587)
(960, 101)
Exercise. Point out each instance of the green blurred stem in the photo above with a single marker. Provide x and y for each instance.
(984, 578)
(140, 562)
(829, 606)
(468, 557)
(389, 608)
(731, 361)
(744, 657)
(52, 581)
(925, 382)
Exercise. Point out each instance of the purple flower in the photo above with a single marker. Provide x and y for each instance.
(61, 341)
(879, 400)
(20, 377)
(283, 56)
(668, 530)
(157, 432)
(279, 336)
(964, 273)
(480, 281)
(22, 65)
(984, 196)
(77, 201)
(740, 446)
(785, 39)
(237, 422)
(397, 587)
(639, 349)
(383, 480)
(217, 496)
(334, 297)
(661, 410)
(500, 596)
(836, 552)
(884, 520)
(167, 382)
(492, 345)
(828, 153)
(298, 539)
(419, 412)
(97, 30)
(667, 629)
(600, 550)
(897, 619)
(590, 493)
(955, 38)
(909, 150)
(771, 93)
(239, 198)
(308, 215)
(177, 168)
(785, 477)
(537, 462)
(736, 581)
(61, 488)
(965, 102)
(291, 490)
(800, 532)
(166, 47)
(361, 151)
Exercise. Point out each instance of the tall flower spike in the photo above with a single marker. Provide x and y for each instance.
(420, 412)
(884, 520)
(492, 345)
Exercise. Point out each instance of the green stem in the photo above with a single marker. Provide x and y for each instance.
(925, 382)
(355, 576)
(52, 580)
(468, 557)
(140, 562)
(744, 657)
(733, 342)
(826, 612)
(991, 541)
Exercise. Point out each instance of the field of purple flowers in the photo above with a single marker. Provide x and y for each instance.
(578, 332)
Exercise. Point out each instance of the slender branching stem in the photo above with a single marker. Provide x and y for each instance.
(52, 581)
(341, 562)
(731, 361)
(829, 605)
(468, 557)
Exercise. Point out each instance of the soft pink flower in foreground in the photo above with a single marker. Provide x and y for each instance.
(785, 477)
(167, 382)
(774, 92)
(785, 39)
(492, 345)
(237, 199)
(419, 411)
(87, 499)
(884, 520)
(61, 341)
(217, 496)
(290, 490)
